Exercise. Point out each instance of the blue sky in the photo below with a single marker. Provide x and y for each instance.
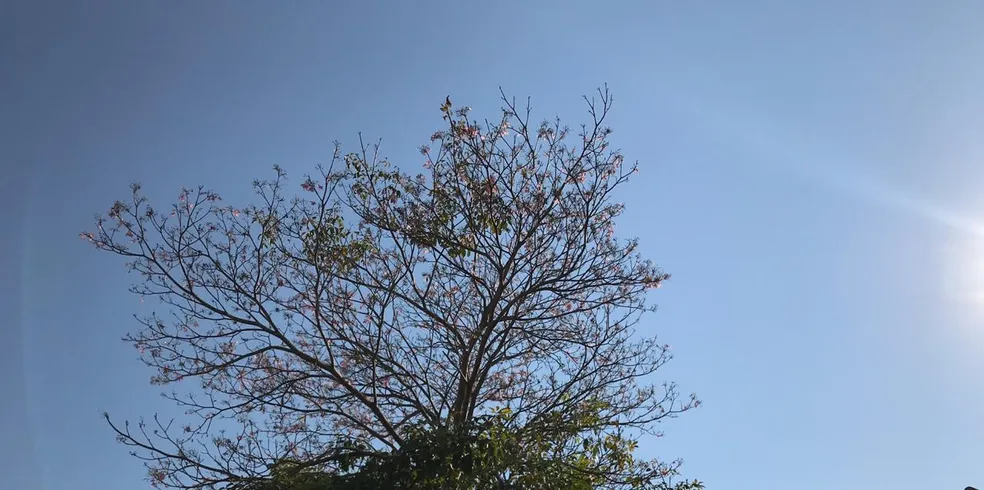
(810, 176)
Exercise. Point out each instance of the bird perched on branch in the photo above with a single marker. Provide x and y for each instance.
(446, 107)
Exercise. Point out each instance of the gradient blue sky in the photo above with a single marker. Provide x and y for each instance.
(810, 175)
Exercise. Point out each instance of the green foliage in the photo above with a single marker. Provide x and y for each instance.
(492, 454)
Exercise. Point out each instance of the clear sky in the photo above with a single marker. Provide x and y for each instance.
(811, 177)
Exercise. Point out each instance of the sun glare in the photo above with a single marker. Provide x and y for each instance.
(963, 271)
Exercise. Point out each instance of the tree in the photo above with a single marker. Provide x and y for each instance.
(483, 308)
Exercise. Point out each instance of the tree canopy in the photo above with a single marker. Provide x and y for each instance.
(473, 325)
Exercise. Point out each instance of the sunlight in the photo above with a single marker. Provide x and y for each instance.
(962, 271)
